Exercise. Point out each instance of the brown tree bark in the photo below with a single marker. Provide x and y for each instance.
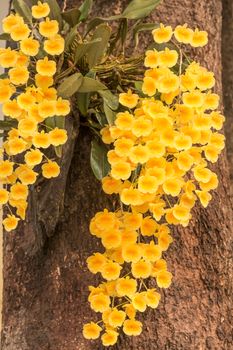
(227, 77)
(45, 274)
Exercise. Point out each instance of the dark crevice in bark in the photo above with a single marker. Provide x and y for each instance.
(46, 202)
(227, 76)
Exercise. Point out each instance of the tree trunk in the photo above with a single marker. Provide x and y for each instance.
(227, 76)
(45, 275)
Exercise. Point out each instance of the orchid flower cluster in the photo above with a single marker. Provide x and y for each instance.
(29, 98)
(162, 143)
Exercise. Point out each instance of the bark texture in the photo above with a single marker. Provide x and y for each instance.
(227, 78)
(45, 288)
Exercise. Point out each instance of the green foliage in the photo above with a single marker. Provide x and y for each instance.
(8, 124)
(123, 30)
(109, 113)
(93, 23)
(110, 99)
(90, 85)
(83, 100)
(141, 28)
(139, 9)
(5, 36)
(101, 117)
(98, 159)
(23, 10)
(70, 37)
(77, 15)
(72, 17)
(55, 11)
(85, 9)
(82, 48)
(97, 50)
(70, 85)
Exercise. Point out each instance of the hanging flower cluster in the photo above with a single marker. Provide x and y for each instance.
(29, 97)
(163, 143)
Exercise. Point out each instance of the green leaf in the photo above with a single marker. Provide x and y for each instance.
(85, 9)
(50, 123)
(60, 63)
(72, 17)
(5, 36)
(55, 122)
(8, 124)
(70, 37)
(135, 10)
(23, 10)
(90, 85)
(123, 30)
(82, 48)
(93, 23)
(55, 11)
(32, 2)
(99, 160)
(109, 113)
(60, 121)
(70, 85)
(3, 76)
(143, 27)
(97, 51)
(58, 151)
(138, 85)
(121, 35)
(101, 117)
(139, 9)
(109, 98)
(83, 100)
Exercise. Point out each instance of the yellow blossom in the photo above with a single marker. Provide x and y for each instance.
(100, 302)
(199, 38)
(48, 28)
(8, 58)
(151, 60)
(167, 58)
(91, 330)
(54, 45)
(50, 169)
(162, 34)
(109, 338)
(4, 196)
(10, 21)
(10, 222)
(20, 32)
(57, 137)
(40, 10)
(132, 327)
(116, 318)
(183, 34)
(128, 99)
(46, 67)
